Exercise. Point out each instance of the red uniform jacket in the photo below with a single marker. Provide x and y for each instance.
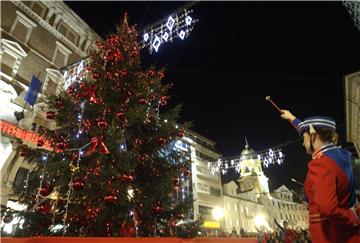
(290, 236)
(330, 189)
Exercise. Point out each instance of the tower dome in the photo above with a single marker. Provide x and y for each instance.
(248, 152)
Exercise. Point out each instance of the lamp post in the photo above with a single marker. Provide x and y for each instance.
(218, 214)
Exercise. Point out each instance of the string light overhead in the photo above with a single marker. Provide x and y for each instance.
(267, 157)
(178, 25)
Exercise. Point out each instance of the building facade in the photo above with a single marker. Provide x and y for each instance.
(352, 109)
(37, 38)
(246, 201)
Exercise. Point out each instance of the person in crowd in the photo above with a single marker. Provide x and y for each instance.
(287, 235)
(233, 233)
(330, 182)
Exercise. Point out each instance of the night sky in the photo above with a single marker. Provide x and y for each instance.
(240, 52)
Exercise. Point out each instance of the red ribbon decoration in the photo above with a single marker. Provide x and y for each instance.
(95, 141)
(90, 93)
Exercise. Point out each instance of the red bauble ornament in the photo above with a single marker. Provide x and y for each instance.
(126, 178)
(109, 57)
(22, 153)
(70, 90)
(181, 133)
(78, 184)
(50, 115)
(158, 209)
(95, 75)
(163, 100)
(143, 101)
(127, 230)
(58, 104)
(176, 181)
(110, 198)
(161, 74)
(62, 145)
(44, 208)
(40, 143)
(120, 114)
(102, 123)
(150, 73)
(8, 218)
(161, 141)
(45, 190)
(186, 172)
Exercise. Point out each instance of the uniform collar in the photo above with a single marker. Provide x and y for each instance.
(320, 151)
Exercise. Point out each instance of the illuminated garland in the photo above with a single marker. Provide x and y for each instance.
(265, 157)
(176, 26)
(26, 136)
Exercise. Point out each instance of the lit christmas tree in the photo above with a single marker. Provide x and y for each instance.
(112, 170)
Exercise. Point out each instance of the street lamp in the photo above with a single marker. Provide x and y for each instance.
(218, 213)
(298, 182)
(260, 221)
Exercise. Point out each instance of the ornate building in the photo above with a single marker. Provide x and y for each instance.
(37, 38)
(352, 99)
(246, 202)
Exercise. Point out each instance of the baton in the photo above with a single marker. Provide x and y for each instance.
(268, 98)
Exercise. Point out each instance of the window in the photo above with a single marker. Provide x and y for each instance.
(22, 27)
(66, 31)
(38, 8)
(230, 222)
(235, 207)
(237, 222)
(241, 208)
(228, 205)
(51, 82)
(51, 87)
(204, 156)
(20, 177)
(61, 55)
(215, 192)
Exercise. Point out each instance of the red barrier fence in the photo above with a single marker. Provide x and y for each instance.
(125, 240)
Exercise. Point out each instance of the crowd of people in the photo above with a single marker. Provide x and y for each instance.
(280, 235)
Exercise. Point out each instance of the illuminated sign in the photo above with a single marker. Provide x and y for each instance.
(26, 136)
(211, 224)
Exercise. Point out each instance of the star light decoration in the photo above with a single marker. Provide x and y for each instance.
(177, 25)
(267, 157)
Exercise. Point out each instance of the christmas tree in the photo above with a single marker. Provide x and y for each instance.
(111, 169)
